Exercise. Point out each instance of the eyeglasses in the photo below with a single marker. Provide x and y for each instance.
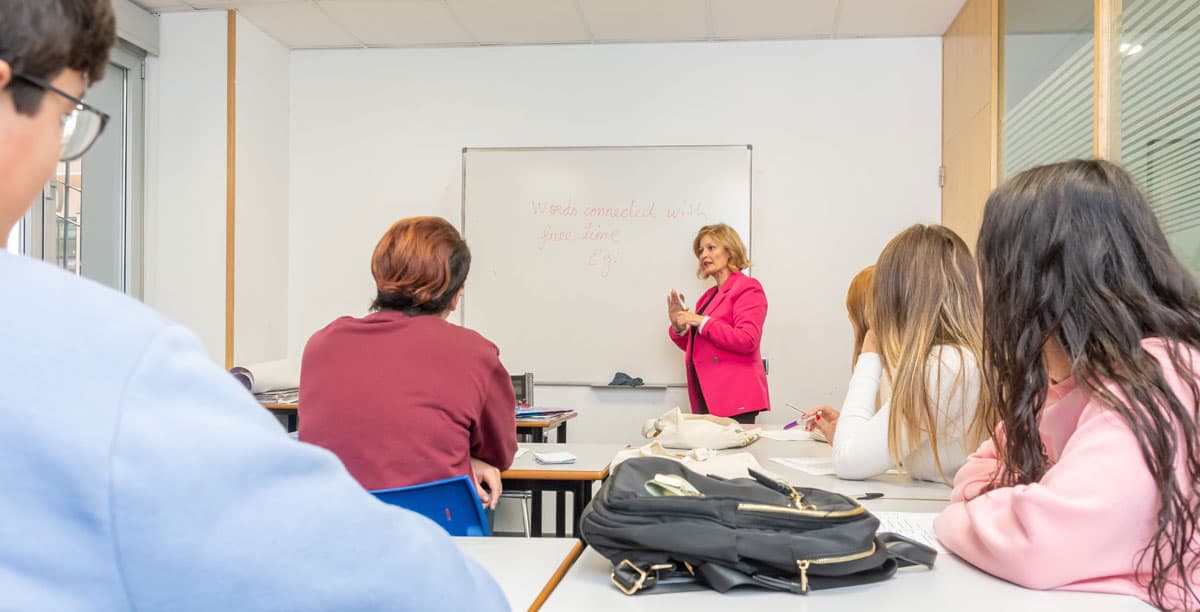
(80, 128)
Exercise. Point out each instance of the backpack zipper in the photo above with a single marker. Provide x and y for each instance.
(783, 487)
(802, 512)
(803, 564)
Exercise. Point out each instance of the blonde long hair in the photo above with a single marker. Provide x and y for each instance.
(925, 293)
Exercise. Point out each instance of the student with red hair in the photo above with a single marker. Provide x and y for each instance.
(403, 396)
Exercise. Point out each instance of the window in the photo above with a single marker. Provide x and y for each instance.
(102, 240)
(1157, 113)
(1048, 83)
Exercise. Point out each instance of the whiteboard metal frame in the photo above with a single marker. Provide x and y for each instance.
(750, 238)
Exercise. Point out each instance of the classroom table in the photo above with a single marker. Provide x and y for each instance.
(950, 586)
(591, 466)
(898, 486)
(886, 504)
(537, 428)
(527, 570)
(290, 412)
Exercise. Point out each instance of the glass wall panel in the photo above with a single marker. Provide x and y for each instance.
(1157, 112)
(1048, 74)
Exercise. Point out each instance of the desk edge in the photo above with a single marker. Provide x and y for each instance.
(554, 474)
(555, 578)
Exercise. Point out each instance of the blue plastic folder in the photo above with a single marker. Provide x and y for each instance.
(531, 412)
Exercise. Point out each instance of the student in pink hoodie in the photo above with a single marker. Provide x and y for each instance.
(1092, 358)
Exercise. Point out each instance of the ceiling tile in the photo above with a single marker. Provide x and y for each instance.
(646, 20)
(521, 21)
(159, 6)
(751, 19)
(875, 18)
(231, 4)
(397, 23)
(299, 25)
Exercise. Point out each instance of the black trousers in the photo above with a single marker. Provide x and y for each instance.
(745, 418)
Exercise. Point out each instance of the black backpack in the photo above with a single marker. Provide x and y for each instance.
(659, 523)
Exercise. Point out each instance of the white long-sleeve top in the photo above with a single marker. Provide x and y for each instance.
(860, 444)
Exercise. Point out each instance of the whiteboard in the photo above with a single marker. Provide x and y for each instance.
(574, 251)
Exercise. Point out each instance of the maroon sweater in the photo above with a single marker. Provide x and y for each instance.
(403, 400)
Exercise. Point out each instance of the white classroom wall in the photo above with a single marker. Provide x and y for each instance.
(186, 170)
(846, 137)
(185, 175)
(261, 217)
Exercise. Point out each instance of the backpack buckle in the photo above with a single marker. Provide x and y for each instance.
(630, 578)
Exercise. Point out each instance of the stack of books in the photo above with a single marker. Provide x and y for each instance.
(533, 413)
(278, 396)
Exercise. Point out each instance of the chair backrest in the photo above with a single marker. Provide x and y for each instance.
(452, 503)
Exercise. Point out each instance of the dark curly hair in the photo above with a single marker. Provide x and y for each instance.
(1071, 252)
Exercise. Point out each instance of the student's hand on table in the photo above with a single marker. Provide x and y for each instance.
(824, 419)
(484, 473)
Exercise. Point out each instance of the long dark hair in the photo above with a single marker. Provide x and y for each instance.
(1072, 253)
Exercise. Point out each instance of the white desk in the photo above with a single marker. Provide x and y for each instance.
(591, 461)
(591, 466)
(885, 504)
(523, 568)
(951, 586)
(893, 486)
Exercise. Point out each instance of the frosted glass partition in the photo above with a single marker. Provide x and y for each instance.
(1157, 106)
(1048, 83)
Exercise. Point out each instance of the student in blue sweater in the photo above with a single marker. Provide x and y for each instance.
(135, 473)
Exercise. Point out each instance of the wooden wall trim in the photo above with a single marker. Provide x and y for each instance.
(972, 105)
(1104, 103)
(230, 174)
(997, 35)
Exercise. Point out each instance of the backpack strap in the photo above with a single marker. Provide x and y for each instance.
(630, 577)
(908, 552)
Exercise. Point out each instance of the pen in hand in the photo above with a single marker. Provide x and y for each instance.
(803, 418)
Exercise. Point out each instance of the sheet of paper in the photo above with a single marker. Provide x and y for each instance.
(913, 525)
(817, 466)
(794, 434)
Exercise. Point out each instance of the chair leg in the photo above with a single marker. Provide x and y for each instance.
(525, 516)
(524, 497)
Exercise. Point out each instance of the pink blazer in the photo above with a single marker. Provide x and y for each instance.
(728, 363)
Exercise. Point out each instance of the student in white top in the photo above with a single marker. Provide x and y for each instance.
(924, 319)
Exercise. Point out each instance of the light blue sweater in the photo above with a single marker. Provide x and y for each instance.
(137, 475)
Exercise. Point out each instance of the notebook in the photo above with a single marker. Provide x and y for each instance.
(916, 526)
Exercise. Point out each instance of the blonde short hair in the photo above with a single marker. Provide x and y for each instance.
(727, 237)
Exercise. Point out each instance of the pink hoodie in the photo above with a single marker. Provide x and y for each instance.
(1084, 524)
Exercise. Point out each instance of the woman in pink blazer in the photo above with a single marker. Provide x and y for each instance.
(721, 338)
